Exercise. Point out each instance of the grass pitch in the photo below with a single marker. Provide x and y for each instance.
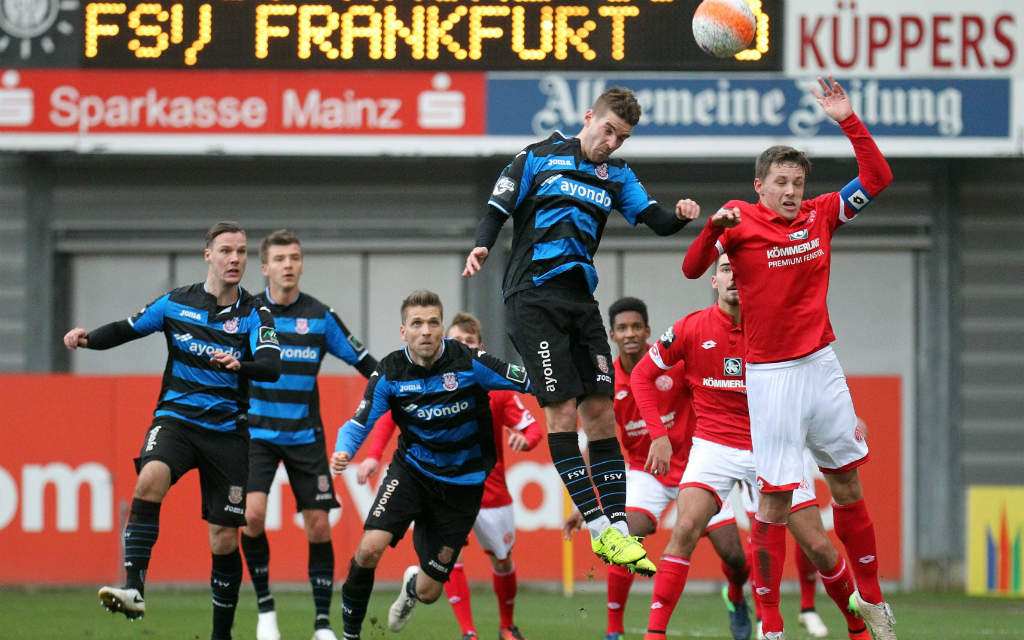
(72, 614)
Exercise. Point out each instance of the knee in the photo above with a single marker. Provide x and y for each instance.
(368, 557)
(429, 592)
(223, 540)
(318, 526)
(845, 487)
(685, 535)
(501, 566)
(255, 520)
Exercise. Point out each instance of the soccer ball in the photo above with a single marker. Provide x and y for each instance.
(723, 28)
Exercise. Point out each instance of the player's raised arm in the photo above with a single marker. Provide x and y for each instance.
(493, 373)
(353, 433)
(704, 249)
(874, 174)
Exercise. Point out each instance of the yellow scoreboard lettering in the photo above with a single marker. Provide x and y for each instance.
(995, 528)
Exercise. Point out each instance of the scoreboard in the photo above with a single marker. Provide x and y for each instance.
(452, 35)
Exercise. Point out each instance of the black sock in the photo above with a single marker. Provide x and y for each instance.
(140, 535)
(321, 576)
(225, 579)
(257, 558)
(565, 453)
(355, 596)
(608, 469)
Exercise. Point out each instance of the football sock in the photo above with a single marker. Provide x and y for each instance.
(608, 470)
(839, 586)
(565, 453)
(668, 586)
(854, 527)
(225, 579)
(257, 558)
(753, 573)
(140, 534)
(505, 589)
(808, 576)
(355, 596)
(457, 591)
(769, 555)
(321, 577)
(737, 577)
(619, 582)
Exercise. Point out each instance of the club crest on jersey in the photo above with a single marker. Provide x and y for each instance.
(602, 363)
(663, 382)
(231, 325)
(450, 381)
(601, 171)
(668, 337)
(301, 326)
(235, 494)
(322, 483)
(733, 367)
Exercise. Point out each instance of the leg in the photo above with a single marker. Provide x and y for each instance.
(321, 564)
(503, 578)
(768, 533)
(457, 591)
(620, 579)
(256, 549)
(607, 466)
(565, 453)
(809, 533)
(725, 539)
(356, 590)
(225, 578)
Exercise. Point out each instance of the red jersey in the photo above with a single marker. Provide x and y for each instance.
(672, 399)
(781, 267)
(709, 348)
(507, 410)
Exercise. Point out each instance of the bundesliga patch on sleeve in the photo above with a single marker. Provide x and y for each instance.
(668, 337)
(268, 335)
(516, 373)
(354, 343)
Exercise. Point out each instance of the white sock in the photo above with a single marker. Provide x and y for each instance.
(598, 525)
(622, 527)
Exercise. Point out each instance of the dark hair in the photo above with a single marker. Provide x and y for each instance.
(627, 304)
(780, 154)
(279, 238)
(422, 298)
(468, 323)
(226, 226)
(621, 101)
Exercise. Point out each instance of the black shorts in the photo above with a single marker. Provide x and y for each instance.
(308, 472)
(558, 333)
(222, 458)
(444, 515)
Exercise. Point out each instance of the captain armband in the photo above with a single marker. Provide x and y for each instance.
(855, 197)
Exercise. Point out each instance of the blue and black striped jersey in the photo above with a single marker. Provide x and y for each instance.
(443, 413)
(287, 412)
(560, 202)
(193, 390)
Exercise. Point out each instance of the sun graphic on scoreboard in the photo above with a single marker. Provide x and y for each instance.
(23, 21)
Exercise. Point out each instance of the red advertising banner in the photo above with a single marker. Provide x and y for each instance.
(84, 102)
(66, 479)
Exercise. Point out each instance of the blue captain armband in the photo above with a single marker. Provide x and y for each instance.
(855, 197)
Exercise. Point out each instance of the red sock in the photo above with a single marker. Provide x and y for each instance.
(839, 586)
(505, 589)
(737, 578)
(769, 555)
(457, 590)
(668, 586)
(808, 575)
(619, 582)
(753, 574)
(854, 527)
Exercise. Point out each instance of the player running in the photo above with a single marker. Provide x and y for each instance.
(560, 192)
(495, 527)
(218, 338)
(285, 426)
(781, 251)
(436, 390)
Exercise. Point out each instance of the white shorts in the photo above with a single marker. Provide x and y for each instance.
(803, 496)
(646, 494)
(796, 404)
(495, 530)
(718, 469)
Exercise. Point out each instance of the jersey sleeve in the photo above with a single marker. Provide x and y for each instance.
(150, 318)
(705, 248)
(262, 333)
(514, 183)
(633, 199)
(493, 373)
(340, 341)
(662, 356)
(373, 405)
(382, 433)
(514, 415)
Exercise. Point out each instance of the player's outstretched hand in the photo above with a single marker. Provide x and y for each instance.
(76, 338)
(726, 217)
(572, 524)
(516, 440)
(366, 469)
(475, 261)
(339, 462)
(833, 99)
(659, 456)
(687, 209)
(222, 360)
